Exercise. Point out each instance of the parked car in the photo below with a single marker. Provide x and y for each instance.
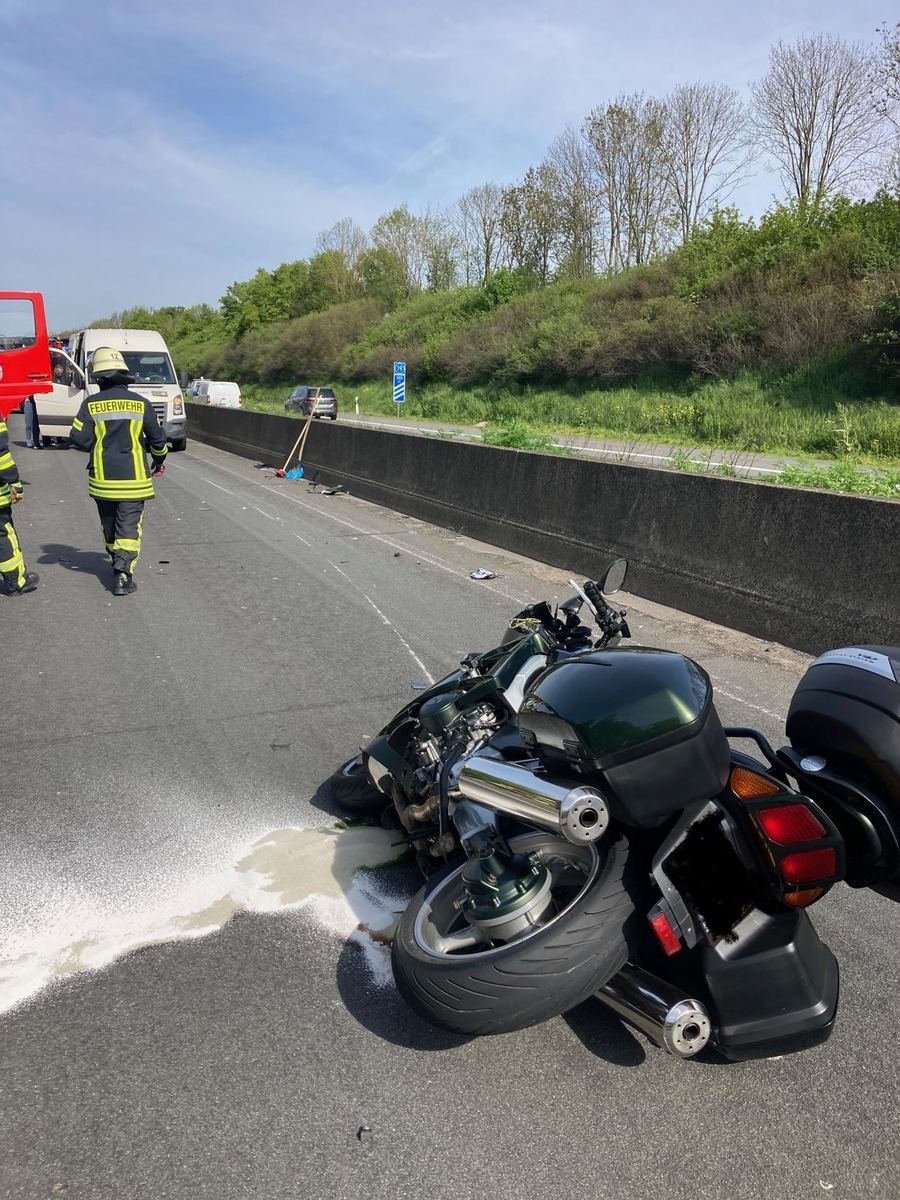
(303, 399)
(225, 395)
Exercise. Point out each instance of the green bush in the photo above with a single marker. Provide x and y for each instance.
(779, 336)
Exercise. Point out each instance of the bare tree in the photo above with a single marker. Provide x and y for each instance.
(337, 264)
(578, 204)
(443, 251)
(813, 113)
(627, 140)
(886, 78)
(886, 95)
(530, 222)
(347, 237)
(708, 148)
(421, 244)
(478, 222)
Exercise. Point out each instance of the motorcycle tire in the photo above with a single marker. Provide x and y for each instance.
(353, 791)
(496, 988)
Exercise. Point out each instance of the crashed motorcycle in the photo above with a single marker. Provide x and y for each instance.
(587, 828)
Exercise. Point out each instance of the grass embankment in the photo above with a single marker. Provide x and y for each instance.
(743, 418)
(781, 338)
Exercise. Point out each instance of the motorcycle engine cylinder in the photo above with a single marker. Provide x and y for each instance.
(440, 713)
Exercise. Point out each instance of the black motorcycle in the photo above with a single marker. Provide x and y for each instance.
(587, 829)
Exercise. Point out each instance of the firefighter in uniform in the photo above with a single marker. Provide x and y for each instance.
(117, 427)
(14, 579)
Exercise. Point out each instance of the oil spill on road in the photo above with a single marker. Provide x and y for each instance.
(326, 873)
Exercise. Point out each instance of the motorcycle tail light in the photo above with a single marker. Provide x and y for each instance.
(809, 866)
(806, 851)
(789, 823)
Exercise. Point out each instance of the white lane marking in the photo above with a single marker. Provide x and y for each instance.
(779, 717)
(431, 559)
(368, 599)
(227, 491)
(393, 628)
(627, 456)
(622, 454)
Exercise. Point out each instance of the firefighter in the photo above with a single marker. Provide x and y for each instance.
(14, 579)
(117, 426)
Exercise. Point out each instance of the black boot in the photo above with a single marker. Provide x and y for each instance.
(124, 584)
(8, 588)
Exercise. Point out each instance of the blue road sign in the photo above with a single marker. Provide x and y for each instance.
(399, 382)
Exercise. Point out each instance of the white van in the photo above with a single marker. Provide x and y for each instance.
(213, 391)
(148, 361)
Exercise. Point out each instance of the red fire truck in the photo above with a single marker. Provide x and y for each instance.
(24, 349)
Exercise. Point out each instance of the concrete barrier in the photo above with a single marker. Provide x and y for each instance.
(806, 568)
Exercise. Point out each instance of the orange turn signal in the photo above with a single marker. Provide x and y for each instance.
(803, 899)
(748, 785)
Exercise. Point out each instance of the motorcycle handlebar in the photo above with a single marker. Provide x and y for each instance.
(595, 596)
(601, 606)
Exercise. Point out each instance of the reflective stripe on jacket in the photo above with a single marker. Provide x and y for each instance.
(117, 427)
(9, 472)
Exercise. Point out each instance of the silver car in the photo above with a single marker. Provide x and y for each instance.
(305, 400)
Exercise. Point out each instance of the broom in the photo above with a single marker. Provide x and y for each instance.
(300, 442)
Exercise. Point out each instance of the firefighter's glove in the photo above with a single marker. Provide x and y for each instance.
(18, 492)
(158, 469)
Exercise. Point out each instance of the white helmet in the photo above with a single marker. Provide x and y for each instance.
(107, 361)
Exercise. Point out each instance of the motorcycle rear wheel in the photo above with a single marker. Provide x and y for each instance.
(353, 791)
(456, 981)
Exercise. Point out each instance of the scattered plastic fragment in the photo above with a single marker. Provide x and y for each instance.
(481, 573)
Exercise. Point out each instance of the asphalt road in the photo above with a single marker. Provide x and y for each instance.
(191, 1002)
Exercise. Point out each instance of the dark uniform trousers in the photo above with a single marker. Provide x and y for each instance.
(122, 521)
(116, 427)
(12, 564)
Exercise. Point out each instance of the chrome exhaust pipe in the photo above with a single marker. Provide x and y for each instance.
(579, 814)
(677, 1024)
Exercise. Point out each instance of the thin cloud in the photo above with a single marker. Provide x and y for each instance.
(206, 139)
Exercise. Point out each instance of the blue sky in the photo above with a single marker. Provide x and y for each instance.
(154, 151)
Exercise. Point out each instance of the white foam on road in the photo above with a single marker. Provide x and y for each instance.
(322, 871)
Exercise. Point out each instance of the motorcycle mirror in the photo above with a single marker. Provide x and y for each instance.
(614, 577)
